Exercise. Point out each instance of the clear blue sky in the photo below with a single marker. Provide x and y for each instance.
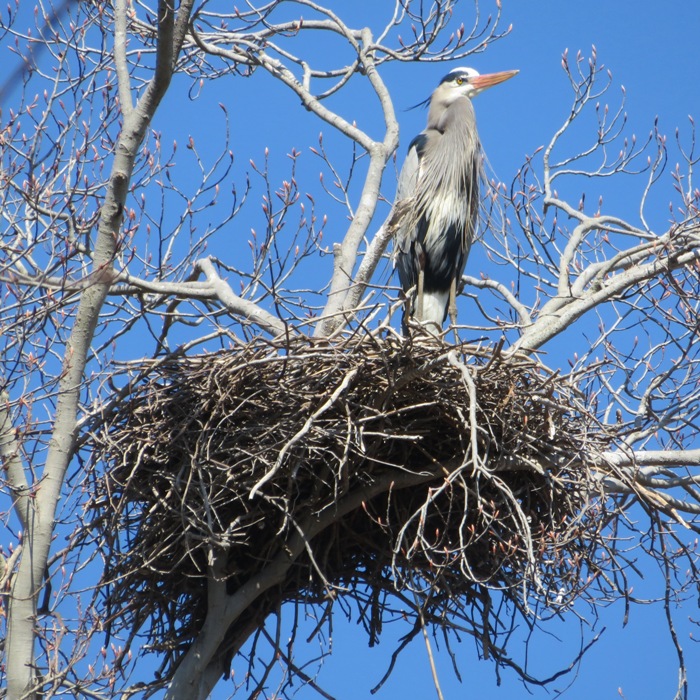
(653, 49)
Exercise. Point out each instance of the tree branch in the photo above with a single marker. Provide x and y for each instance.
(12, 464)
(32, 566)
(239, 306)
(188, 676)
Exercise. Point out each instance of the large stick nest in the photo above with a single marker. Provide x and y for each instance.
(454, 472)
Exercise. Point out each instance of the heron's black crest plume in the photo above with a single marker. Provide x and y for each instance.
(423, 103)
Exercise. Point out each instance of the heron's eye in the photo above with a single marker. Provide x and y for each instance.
(459, 81)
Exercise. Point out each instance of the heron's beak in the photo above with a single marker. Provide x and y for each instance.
(481, 82)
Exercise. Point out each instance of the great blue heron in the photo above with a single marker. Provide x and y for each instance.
(437, 198)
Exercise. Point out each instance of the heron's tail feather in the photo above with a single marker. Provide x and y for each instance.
(434, 308)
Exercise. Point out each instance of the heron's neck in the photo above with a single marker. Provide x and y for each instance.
(458, 113)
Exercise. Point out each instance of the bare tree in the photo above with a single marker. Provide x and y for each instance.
(105, 260)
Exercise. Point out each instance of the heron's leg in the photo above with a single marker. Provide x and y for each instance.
(421, 283)
(419, 294)
(452, 308)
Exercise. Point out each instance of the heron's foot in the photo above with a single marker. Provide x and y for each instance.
(424, 332)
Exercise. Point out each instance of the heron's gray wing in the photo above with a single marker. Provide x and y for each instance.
(410, 172)
(406, 255)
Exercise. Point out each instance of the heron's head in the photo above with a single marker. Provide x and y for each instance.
(466, 82)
